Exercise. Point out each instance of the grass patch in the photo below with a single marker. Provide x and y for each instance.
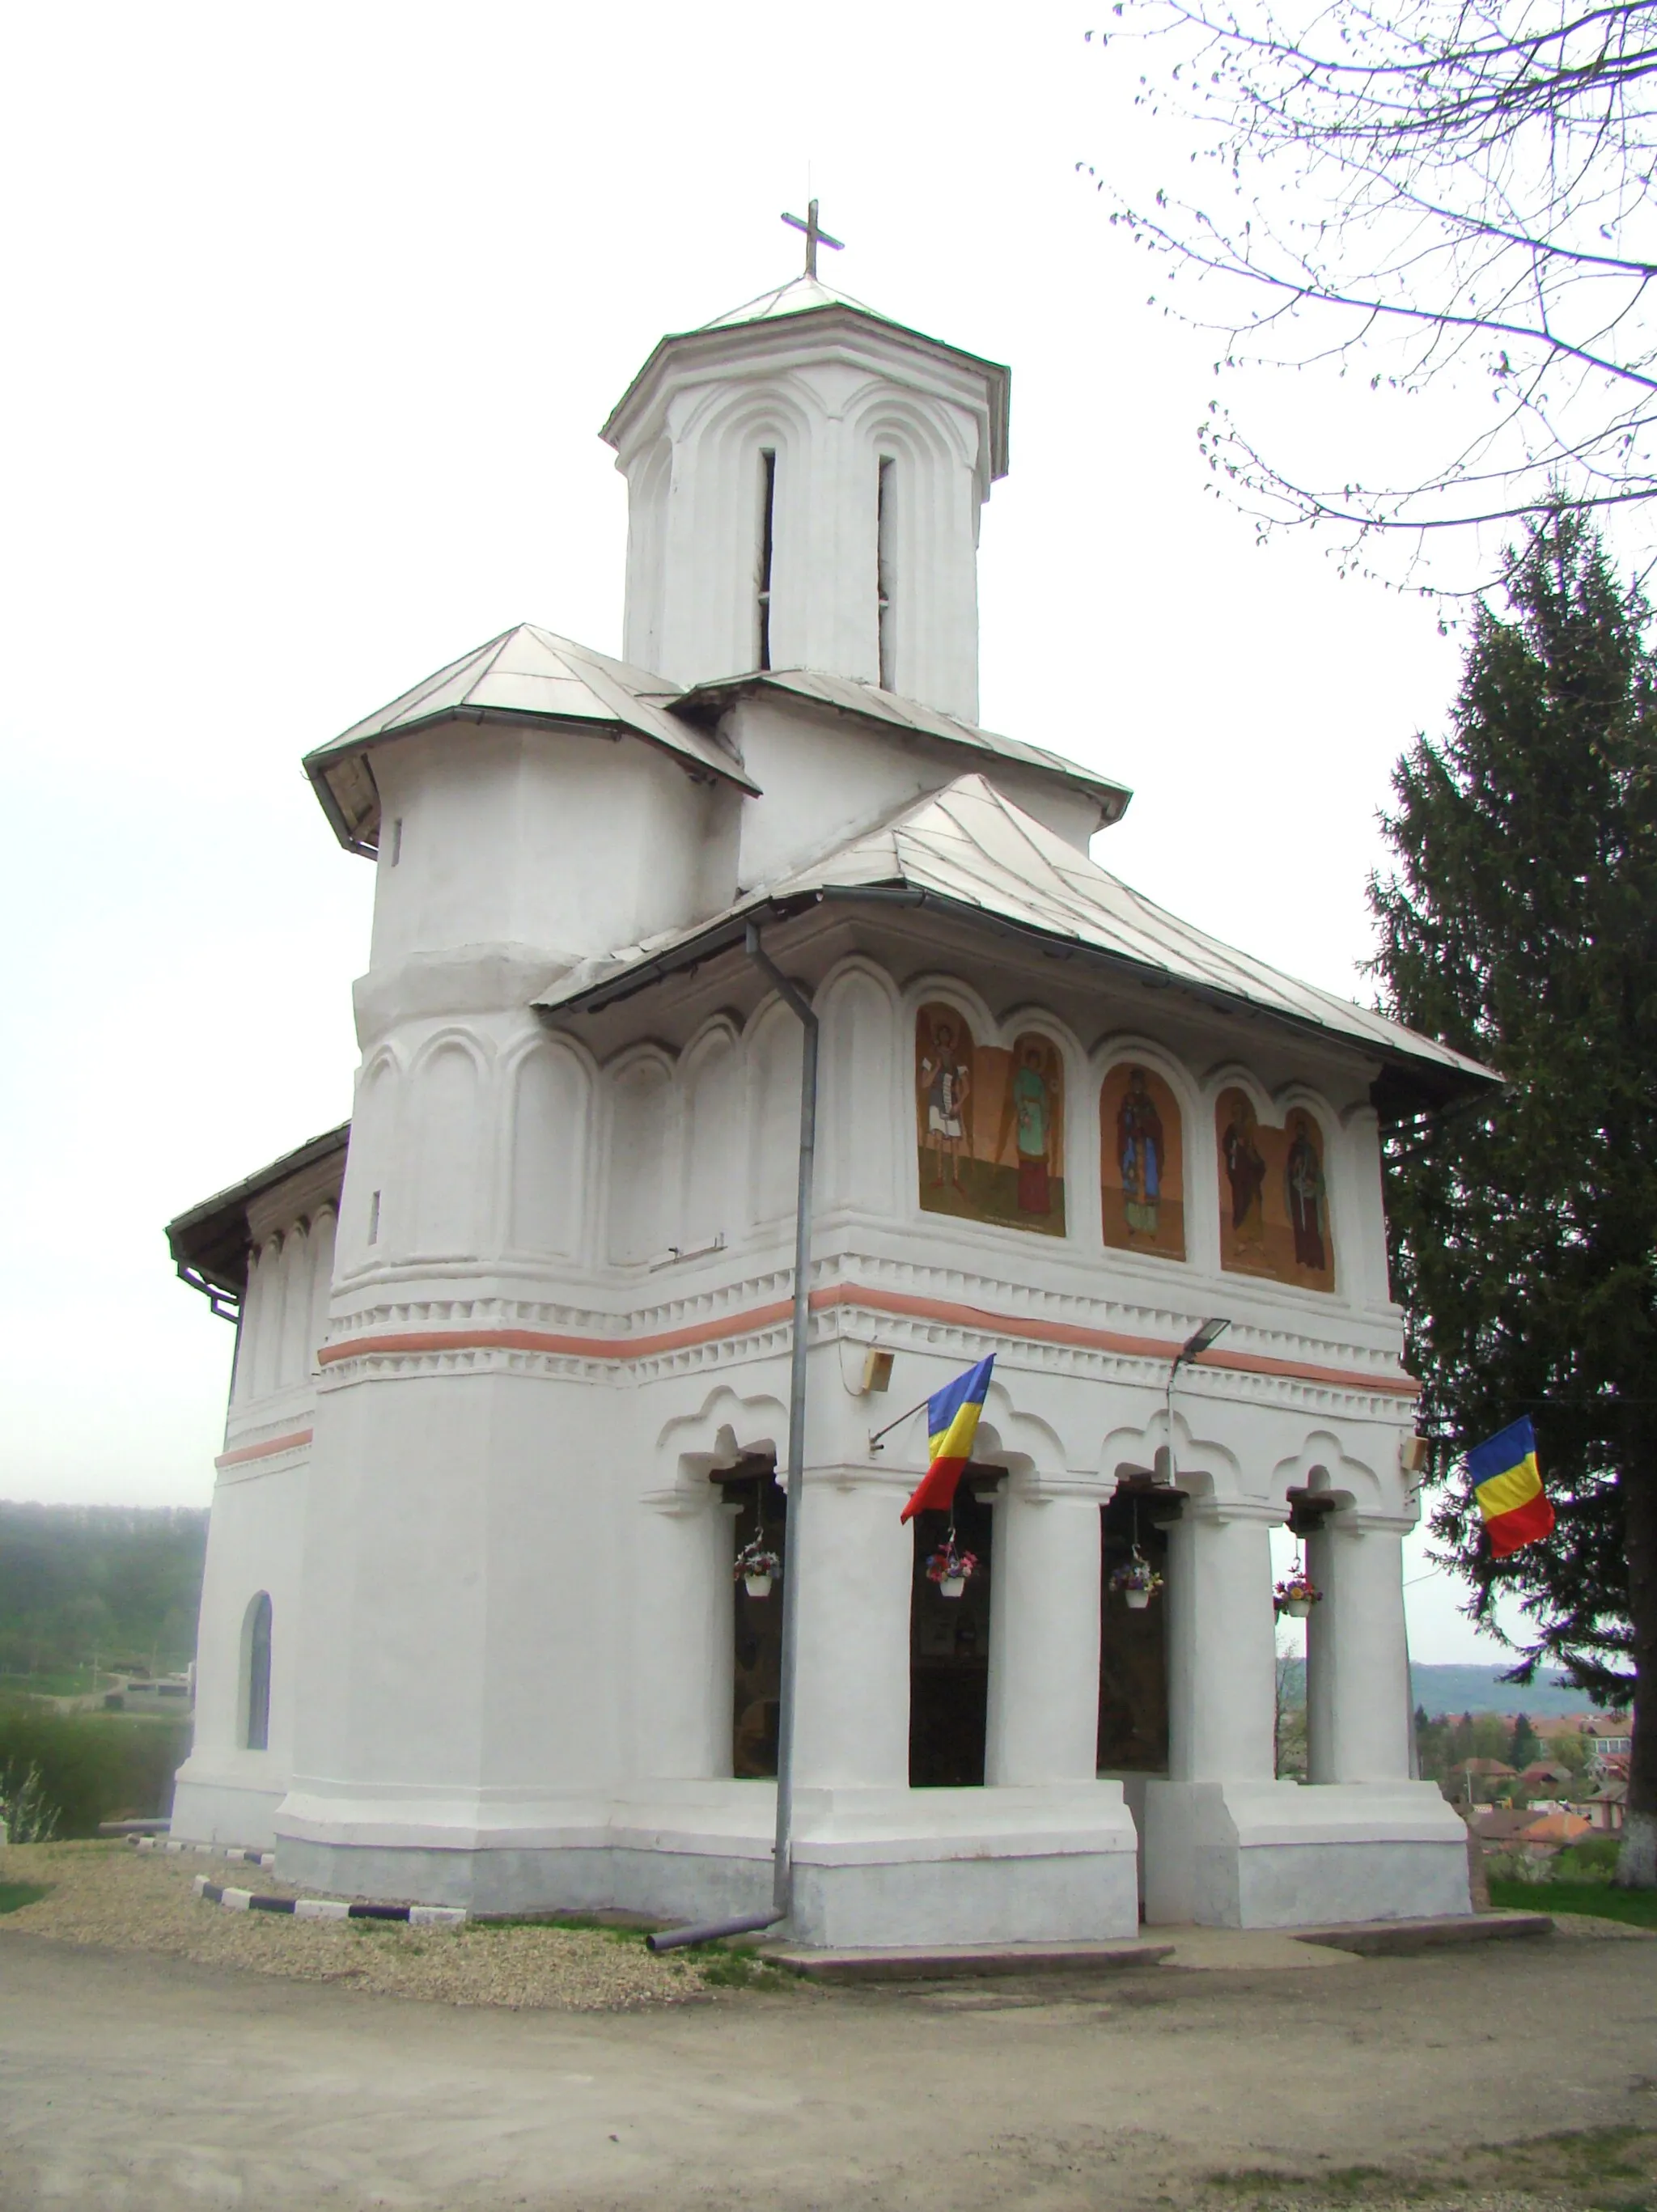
(1590, 2169)
(1638, 1907)
(583, 1923)
(740, 1967)
(95, 1766)
(14, 1895)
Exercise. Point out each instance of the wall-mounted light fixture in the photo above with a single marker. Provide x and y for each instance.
(1196, 1343)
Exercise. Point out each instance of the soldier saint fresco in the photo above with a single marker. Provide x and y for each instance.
(990, 1125)
(1274, 1203)
(1142, 1163)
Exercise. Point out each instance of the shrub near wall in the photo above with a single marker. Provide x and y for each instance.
(96, 1766)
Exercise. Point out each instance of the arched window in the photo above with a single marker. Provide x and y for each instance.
(256, 1672)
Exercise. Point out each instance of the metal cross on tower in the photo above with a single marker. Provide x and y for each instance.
(814, 236)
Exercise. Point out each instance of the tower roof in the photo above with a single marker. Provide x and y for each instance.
(525, 675)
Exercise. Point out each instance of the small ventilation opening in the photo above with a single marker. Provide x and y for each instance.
(883, 535)
(767, 541)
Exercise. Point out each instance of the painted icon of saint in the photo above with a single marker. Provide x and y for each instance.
(1032, 1106)
(1140, 1148)
(946, 1085)
(1305, 1188)
(1245, 1171)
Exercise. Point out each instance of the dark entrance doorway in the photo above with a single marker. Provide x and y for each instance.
(761, 1512)
(949, 1648)
(1133, 1642)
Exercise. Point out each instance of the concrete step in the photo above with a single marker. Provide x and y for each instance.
(1382, 1939)
(951, 1962)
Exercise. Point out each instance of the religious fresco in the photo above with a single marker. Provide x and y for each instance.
(990, 1125)
(1274, 1201)
(1142, 1163)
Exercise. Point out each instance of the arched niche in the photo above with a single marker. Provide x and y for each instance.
(370, 1202)
(1146, 1164)
(991, 1119)
(443, 1105)
(773, 1060)
(293, 1353)
(249, 1328)
(710, 1080)
(273, 1307)
(550, 1100)
(323, 1234)
(860, 1081)
(1273, 1195)
(640, 1124)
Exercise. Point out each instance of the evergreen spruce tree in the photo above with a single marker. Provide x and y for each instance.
(1521, 925)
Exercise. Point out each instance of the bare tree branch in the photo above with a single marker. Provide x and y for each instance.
(1459, 198)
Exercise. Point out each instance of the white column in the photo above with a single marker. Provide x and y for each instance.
(1356, 1724)
(1044, 1636)
(854, 1560)
(1222, 1644)
(684, 1636)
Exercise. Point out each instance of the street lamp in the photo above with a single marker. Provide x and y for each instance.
(1196, 1343)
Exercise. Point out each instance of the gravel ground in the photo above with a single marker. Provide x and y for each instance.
(121, 1899)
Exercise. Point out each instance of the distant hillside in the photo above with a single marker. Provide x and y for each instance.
(1481, 1690)
(123, 1583)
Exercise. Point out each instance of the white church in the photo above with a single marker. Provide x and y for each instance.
(511, 1384)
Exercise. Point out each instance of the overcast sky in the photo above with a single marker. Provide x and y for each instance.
(313, 316)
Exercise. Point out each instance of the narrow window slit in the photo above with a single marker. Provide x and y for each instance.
(373, 1218)
(883, 533)
(768, 528)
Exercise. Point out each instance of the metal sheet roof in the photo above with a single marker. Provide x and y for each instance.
(971, 849)
(801, 295)
(848, 696)
(526, 674)
(208, 1242)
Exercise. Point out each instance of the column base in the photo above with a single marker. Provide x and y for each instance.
(1289, 1855)
(223, 1803)
(873, 1869)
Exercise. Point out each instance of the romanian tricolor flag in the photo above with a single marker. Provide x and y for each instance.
(951, 1423)
(1509, 1488)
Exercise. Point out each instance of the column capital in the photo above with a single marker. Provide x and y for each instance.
(1222, 1511)
(1353, 1522)
(1081, 1483)
(858, 1475)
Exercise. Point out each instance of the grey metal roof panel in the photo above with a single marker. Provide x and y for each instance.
(971, 847)
(208, 1241)
(849, 696)
(526, 673)
(801, 295)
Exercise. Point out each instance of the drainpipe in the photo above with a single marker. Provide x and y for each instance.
(669, 1939)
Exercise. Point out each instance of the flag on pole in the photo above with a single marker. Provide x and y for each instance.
(1507, 1485)
(951, 1423)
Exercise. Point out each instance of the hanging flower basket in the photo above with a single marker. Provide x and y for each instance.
(1138, 1580)
(757, 1567)
(950, 1570)
(1296, 1596)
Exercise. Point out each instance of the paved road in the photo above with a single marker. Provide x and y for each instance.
(128, 2083)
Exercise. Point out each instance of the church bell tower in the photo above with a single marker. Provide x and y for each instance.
(804, 479)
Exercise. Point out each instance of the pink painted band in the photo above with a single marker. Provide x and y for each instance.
(268, 1449)
(853, 1294)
